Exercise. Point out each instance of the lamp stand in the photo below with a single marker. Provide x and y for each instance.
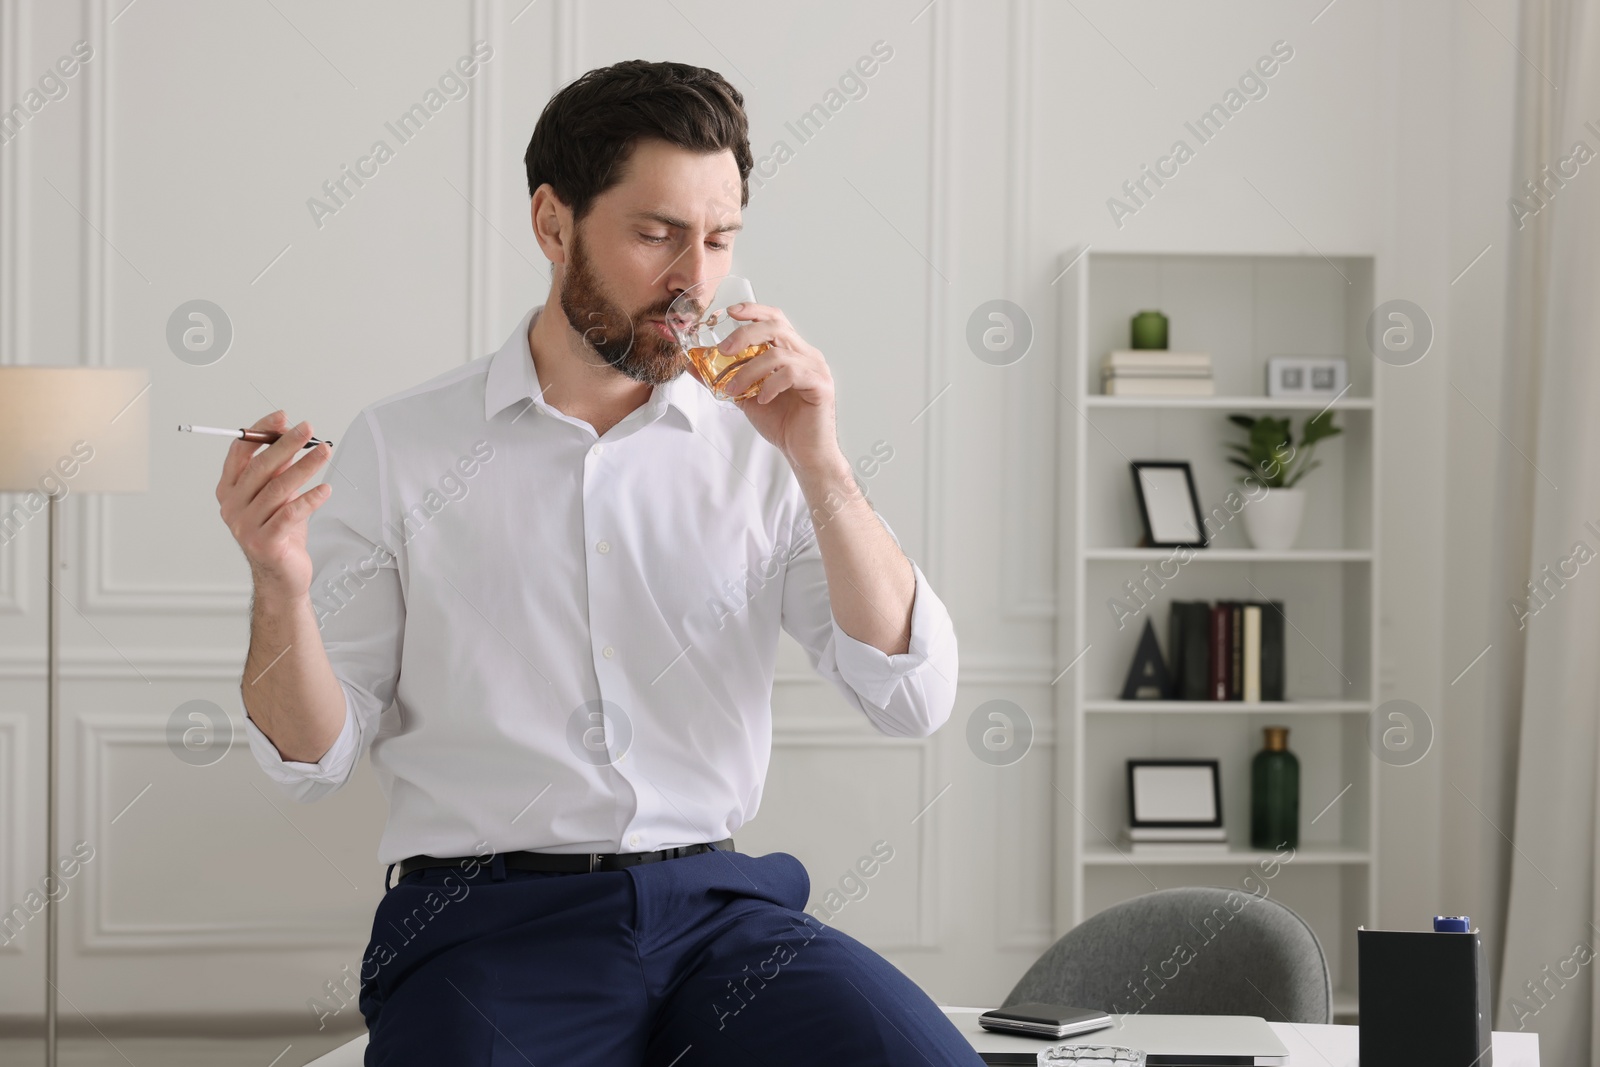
(52, 701)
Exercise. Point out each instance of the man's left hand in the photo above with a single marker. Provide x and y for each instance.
(794, 409)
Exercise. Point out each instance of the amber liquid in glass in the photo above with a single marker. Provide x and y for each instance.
(714, 368)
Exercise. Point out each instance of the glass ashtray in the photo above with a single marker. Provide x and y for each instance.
(1092, 1056)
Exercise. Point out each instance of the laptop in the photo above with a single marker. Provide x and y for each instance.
(1167, 1040)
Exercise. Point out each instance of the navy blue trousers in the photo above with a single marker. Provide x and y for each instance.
(703, 961)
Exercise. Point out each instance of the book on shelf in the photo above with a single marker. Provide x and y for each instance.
(1220, 627)
(1120, 386)
(1235, 650)
(1159, 359)
(1272, 669)
(1252, 653)
(1175, 833)
(1156, 372)
(1189, 640)
(1177, 846)
(1229, 650)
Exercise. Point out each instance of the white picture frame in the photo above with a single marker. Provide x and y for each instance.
(1174, 793)
(1307, 377)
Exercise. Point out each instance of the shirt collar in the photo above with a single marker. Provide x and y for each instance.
(512, 377)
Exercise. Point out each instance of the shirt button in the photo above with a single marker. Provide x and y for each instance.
(603, 547)
(608, 652)
(598, 449)
(633, 840)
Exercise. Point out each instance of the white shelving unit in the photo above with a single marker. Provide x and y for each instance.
(1242, 309)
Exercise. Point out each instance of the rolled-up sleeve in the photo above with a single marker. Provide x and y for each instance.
(360, 608)
(905, 695)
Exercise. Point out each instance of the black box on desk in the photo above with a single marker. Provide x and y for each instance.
(1424, 999)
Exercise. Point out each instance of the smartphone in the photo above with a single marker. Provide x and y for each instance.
(1044, 1020)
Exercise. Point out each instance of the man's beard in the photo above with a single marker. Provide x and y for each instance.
(630, 343)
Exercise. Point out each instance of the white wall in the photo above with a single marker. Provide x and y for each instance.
(178, 167)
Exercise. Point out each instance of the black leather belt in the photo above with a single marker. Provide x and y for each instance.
(566, 862)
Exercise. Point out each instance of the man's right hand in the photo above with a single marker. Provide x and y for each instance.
(257, 494)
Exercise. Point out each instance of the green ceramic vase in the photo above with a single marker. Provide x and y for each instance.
(1275, 793)
(1149, 330)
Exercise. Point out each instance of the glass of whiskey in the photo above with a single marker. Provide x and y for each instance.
(1091, 1056)
(699, 321)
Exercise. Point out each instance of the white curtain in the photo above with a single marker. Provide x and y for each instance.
(1551, 927)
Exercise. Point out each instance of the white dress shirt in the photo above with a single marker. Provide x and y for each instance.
(563, 642)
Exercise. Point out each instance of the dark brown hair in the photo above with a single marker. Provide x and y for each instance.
(589, 128)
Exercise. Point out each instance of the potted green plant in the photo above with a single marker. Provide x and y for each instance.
(1271, 457)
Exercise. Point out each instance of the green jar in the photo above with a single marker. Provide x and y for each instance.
(1148, 330)
(1275, 793)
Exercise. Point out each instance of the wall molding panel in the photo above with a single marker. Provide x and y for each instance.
(941, 224)
(18, 861)
(927, 897)
(1026, 598)
(101, 736)
(14, 298)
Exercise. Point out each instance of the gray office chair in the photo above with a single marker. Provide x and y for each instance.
(1192, 951)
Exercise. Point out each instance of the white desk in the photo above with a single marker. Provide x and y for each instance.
(1309, 1046)
(1337, 1045)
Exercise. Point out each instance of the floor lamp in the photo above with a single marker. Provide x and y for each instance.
(65, 430)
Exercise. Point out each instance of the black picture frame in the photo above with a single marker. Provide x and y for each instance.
(1214, 766)
(1137, 468)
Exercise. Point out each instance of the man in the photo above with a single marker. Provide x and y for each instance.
(549, 587)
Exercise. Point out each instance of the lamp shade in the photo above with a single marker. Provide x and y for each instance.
(74, 429)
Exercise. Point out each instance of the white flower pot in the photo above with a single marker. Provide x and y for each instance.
(1273, 522)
